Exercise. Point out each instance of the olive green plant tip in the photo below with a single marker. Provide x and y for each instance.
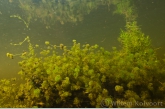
(36, 45)
(74, 41)
(119, 88)
(36, 92)
(47, 42)
(9, 55)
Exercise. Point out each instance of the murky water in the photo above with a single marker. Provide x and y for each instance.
(100, 27)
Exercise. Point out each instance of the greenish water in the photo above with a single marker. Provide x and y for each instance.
(100, 27)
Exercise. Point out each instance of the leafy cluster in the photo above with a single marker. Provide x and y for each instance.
(88, 76)
(126, 8)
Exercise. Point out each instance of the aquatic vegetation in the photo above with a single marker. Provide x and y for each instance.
(54, 11)
(47, 43)
(87, 75)
(119, 88)
(17, 16)
(125, 8)
(9, 55)
(36, 92)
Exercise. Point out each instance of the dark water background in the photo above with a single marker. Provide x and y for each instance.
(99, 27)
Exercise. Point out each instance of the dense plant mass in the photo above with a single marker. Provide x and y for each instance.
(88, 76)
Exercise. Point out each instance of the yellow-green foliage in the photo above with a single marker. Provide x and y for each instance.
(133, 40)
(125, 8)
(88, 76)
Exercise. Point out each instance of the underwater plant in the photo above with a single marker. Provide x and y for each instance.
(88, 75)
(52, 11)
